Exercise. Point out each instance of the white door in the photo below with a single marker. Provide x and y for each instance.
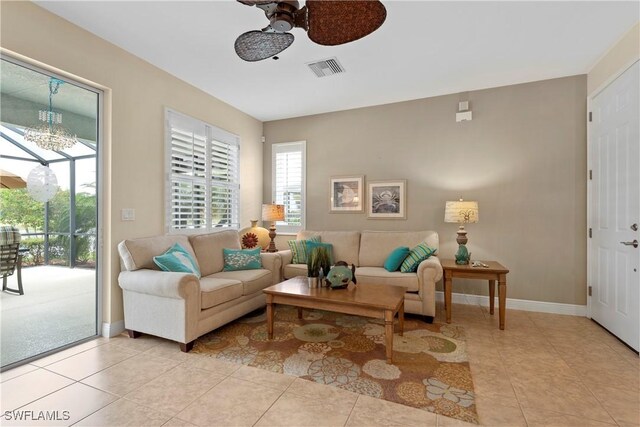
(614, 203)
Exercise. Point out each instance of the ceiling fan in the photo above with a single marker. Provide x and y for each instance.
(327, 22)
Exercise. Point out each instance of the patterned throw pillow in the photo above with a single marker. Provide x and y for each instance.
(395, 258)
(177, 260)
(241, 259)
(312, 245)
(299, 249)
(415, 257)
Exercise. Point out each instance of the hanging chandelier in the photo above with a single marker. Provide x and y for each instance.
(50, 134)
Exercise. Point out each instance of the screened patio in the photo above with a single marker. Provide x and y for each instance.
(66, 233)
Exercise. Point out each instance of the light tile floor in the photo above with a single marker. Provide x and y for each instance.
(543, 370)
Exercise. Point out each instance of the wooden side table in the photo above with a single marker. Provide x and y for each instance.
(495, 271)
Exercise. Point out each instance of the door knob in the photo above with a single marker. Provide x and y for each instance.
(634, 227)
(634, 243)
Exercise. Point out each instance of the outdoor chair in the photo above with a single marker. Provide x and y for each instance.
(10, 257)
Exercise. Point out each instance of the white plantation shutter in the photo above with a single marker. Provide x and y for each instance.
(288, 184)
(203, 177)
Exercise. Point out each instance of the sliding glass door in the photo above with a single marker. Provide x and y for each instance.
(49, 174)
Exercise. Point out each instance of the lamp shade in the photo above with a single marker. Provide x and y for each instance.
(273, 213)
(461, 211)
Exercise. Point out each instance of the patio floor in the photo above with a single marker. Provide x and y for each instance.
(58, 308)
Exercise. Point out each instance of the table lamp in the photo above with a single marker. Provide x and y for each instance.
(272, 213)
(461, 212)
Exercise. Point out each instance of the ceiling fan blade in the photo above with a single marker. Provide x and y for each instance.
(256, 2)
(333, 22)
(258, 45)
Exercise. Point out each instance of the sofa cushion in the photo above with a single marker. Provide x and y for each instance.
(252, 280)
(214, 291)
(418, 254)
(380, 276)
(138, 253)
(375, 246)
(346, 244)
(299, 249)
(293, 270)
(208, 249)
(177, 260)
(241, 259)
(395, 258)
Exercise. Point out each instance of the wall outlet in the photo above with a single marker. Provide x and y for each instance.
(128, 214)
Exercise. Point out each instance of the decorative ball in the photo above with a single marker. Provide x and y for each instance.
(42, 183)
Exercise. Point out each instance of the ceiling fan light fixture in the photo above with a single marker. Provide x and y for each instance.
(281, 22)
(327, 22)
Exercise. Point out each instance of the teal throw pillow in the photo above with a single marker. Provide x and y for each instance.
(312, 245)
(299, 249)
(177, 260)
(395, 258)
(415, 257)
(241, 259)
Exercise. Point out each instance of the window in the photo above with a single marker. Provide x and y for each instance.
(288, 184)
(203, 179)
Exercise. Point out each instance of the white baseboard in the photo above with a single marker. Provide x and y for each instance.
(518, 304)
(110, 330)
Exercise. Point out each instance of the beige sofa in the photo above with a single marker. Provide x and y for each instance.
(368, 250)
(178, 306)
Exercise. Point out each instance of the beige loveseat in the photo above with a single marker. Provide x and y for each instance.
(368, 250)
(178, 306)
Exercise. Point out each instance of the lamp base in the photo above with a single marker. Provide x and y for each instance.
(272, 235)
(463, 255)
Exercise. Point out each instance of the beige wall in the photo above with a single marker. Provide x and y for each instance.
(523, 158)
(135, 96)
(619, 57)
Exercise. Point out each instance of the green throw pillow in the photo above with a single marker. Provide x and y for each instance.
(241, 259)
(395, 258)
(311, 245)
(178, 260)
(415, 257)
(299, 249)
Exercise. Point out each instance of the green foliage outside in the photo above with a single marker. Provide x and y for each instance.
(19, 209)
(35, 256)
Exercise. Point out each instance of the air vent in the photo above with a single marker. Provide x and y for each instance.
(326, 67)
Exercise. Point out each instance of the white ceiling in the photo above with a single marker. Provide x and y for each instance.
(423, 49)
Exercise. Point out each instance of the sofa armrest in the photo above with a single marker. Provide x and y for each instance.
(272, 261)
(286, 256)
(160, 283)
(431, 269)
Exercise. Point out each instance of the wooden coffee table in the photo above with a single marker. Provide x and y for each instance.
(378, 301)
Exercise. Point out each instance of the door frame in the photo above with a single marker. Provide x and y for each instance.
(590, 159)
(101, 196)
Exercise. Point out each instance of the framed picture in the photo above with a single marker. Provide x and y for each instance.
(347, 194)
(387, 199)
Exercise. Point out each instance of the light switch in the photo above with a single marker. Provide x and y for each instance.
(128, 214)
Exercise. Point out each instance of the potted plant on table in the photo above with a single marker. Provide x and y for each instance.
(313, 269)
(317, 263)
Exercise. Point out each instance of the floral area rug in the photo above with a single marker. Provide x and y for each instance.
(430, 367)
